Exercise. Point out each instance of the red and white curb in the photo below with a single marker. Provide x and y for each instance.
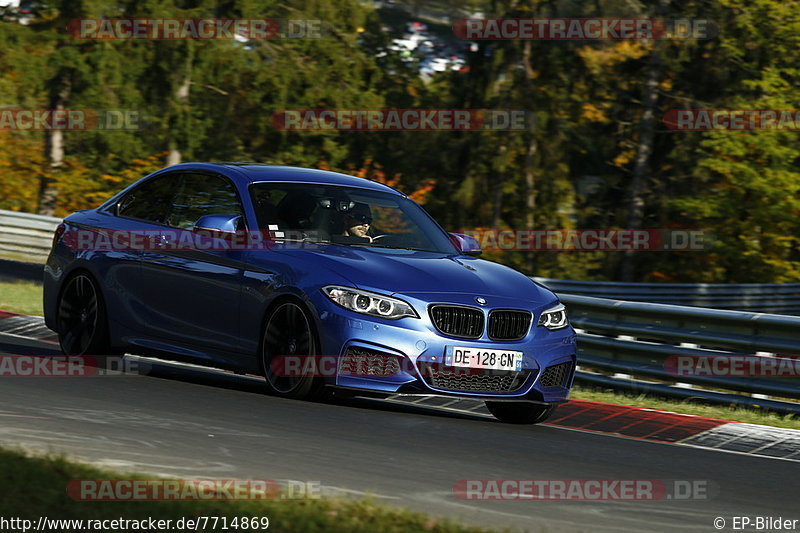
(646, 424)
(620, 420)
(751, 439)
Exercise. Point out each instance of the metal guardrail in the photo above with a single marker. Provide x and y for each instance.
(25, 235)
(627, 338)
(635, 341)
(777, 298)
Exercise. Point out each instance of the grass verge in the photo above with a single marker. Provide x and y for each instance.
(689, 407)
(36, 486)
(21, 297)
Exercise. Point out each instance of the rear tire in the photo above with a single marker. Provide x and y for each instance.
(288, 331)
(520, 412)
(82, 319)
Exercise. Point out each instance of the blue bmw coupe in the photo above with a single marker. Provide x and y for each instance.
(314, 280)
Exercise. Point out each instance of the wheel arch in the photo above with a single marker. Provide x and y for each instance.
(294, 296)
(73, 273)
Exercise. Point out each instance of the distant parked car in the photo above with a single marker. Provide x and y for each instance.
(351, 271)
(16, 11)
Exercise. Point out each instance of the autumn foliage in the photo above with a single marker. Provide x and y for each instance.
(595, 152)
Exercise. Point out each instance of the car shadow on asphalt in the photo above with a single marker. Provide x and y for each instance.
(393, 407)
(222, 379)
(19, 346)
(248, 383)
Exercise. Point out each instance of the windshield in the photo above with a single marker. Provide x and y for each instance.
(346, 215)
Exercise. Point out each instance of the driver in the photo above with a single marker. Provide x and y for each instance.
(357, 221)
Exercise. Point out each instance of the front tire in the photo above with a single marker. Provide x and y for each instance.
(82, 320)
(520, 412)
(288, 332)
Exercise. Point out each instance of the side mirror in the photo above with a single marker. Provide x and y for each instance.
(218, 223)
(467, 244)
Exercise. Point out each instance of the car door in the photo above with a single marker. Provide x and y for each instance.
(194, 294)
(142, 210)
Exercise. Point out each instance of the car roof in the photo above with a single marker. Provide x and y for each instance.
(259, 172)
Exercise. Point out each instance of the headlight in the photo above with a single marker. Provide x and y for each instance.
(554, 318)
(369, 303)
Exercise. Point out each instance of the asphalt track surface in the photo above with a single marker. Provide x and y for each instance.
(189, 423)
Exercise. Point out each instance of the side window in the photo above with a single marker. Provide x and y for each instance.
(151, 201)
(200, 195)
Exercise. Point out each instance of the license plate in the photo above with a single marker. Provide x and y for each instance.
(483, 358)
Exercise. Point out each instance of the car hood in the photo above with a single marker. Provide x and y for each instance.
(408, 272)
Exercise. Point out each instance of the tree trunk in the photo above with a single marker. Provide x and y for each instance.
(54, 151)
(497, 196)
(175, 156)
(644, 149)
(533, 147)
(530, 192)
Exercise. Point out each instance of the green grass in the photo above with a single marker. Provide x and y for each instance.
(22, 257)
(21, 297)
(690, 407)
(36, 486)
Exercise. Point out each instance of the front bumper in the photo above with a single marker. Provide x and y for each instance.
(547, 367)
